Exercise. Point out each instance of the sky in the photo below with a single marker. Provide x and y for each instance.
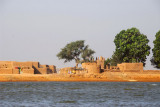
(36, 30)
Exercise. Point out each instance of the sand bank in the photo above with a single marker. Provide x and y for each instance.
(103, 77)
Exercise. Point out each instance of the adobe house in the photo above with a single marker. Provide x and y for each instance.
(96, 66)
(13, 67)
(130, 67)
(72, 70)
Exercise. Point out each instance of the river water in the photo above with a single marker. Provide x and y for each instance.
(79, 94)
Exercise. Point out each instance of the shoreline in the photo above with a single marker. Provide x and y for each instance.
(103, 77)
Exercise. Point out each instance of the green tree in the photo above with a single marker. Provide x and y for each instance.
(87, 54)
(115, 59)
(131, 46)
(155, 60)
(76, 51)
(107, 62)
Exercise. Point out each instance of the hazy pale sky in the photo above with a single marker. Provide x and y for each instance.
(36, 30)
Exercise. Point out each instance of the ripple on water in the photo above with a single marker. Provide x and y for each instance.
(139, 95)
(154, 84)
(67, 101)
(129, 89)
(79, 93)
(75, 88)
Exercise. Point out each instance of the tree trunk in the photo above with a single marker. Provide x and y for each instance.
(77, 62)
(76, 65)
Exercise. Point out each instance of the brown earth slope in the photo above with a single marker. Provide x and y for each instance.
(146, 76)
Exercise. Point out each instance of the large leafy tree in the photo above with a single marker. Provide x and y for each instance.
(131, 46)
(87, 54)
(77, 51)
(155, 60)
(115, 59)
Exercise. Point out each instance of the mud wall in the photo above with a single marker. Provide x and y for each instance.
(91, 67)
(131, 67)
(72, 70)
(16, 71)
(13, 67)
(28, 71)
(42, 70)
(22, 64)
(5, 64)
(100, 62)
(6, 71)
(65, 70)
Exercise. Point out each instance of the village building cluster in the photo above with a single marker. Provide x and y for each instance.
(92, 67)
(13, 67)
(97, 66)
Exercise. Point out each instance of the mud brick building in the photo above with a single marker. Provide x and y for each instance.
(130, 67)
(96, 66)
(13, 67)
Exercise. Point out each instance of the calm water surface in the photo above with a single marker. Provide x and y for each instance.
(79, 94)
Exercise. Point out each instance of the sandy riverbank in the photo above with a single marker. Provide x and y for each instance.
(103, 77)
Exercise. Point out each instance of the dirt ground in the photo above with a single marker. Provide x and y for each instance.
(146, 76)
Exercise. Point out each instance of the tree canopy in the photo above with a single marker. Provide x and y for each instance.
(131, 46)
(155, 60)
(77, 51)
